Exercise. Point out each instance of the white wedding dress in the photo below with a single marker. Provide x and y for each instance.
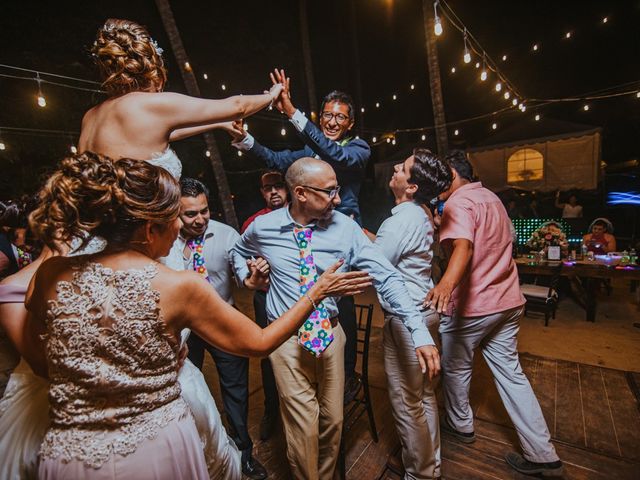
(24, 408)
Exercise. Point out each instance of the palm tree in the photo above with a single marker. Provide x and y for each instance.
(308, 64)
(224, 193)
(434, 78)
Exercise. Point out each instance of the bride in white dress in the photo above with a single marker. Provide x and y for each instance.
(137, 121)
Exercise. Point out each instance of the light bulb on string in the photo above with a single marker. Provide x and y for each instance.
(537, 117)
(605, 19)
(245, 127)
(2, 145)
(73, 149)
(423, 137)
(498, 86)
(205, 76)
(477, 64)
(567, 35)
(207, 153)
(483, 75)
(239, 153)
(362, 110)
(514, 102)
(377, 104)
(453, 69)
(283, 132)
(467, 56)
(395, 97)
(374, 139)
(638, 95)
(42, 102)
(507, 95)
(437, 26)
(388, 140)
(524, 107)
(223, 86)
(535, 47)
(412, 87)
(393, 142)
(456, 132)
(504, 58)
(586, 108)
(494, 126)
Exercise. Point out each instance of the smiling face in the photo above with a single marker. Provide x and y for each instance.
(400, 186)
(335, 120)
(194, 213)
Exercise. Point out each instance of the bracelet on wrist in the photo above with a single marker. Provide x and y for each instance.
(313, 304)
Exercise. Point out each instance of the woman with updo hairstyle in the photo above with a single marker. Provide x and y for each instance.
(138, 120)
(105, 327)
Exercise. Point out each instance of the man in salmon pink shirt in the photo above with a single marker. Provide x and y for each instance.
(480, 295)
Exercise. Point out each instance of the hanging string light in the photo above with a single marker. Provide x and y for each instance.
(73, 149)
(374, 139)
(467, 55)
(205, 76)
(413, 87)
(423, 137)
(507, 95)
(494, 126)
(483, 74)
(456, 132)
(207, 153)
(537, 117)
(437, 27)
(498, 86)
(42, 102)
(283, 132)
(453, 69)
(239, 153)
(223, 87)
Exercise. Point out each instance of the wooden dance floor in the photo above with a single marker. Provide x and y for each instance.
(593, 414)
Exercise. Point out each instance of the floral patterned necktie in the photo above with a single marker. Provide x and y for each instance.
(315, 334)
(197, 246)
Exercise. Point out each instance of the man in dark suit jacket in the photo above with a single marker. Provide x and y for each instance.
(348, 156)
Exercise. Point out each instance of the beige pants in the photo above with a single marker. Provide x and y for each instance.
(413, 401)
(311, 404)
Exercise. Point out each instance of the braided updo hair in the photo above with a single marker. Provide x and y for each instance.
(92, 195)
(128, 58)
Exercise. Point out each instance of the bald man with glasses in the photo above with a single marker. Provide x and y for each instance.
(348, 156)
(299, 241)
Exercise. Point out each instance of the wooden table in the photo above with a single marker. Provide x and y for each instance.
(589, 272)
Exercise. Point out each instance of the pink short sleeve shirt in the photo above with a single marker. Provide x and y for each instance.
(490, 284)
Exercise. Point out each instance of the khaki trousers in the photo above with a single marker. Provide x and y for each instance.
(413, 401)
(311, 394)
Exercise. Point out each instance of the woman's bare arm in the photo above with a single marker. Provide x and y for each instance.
(218, 323)
(178, 111)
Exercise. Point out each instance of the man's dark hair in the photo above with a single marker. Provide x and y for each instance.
(430, 174)
(339, 97)
(190, 187)
(457, 160)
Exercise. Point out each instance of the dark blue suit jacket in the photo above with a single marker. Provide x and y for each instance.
(349, 160)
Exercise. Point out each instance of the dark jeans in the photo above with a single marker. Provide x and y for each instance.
(347, 318)
(271, 400)
(233, 372)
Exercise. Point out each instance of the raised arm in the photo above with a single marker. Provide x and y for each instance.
(233, 332)
(178, 111)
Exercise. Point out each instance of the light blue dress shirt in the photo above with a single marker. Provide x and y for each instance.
(271, 236)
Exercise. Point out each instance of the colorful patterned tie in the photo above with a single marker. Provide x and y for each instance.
(197, 246)
(315, 334)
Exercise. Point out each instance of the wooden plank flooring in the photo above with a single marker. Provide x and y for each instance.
(593, 415)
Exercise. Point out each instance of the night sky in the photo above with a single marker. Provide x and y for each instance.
(238, 43)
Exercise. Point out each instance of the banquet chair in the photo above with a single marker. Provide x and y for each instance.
(541, 298)
(361, 403)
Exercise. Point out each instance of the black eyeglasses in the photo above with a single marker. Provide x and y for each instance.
(331, 192)
(341, 118)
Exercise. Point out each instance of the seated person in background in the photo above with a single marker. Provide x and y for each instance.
(600, 240)
(571, 209)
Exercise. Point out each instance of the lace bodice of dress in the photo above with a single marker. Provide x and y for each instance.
(169, 161)
(112, 365)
